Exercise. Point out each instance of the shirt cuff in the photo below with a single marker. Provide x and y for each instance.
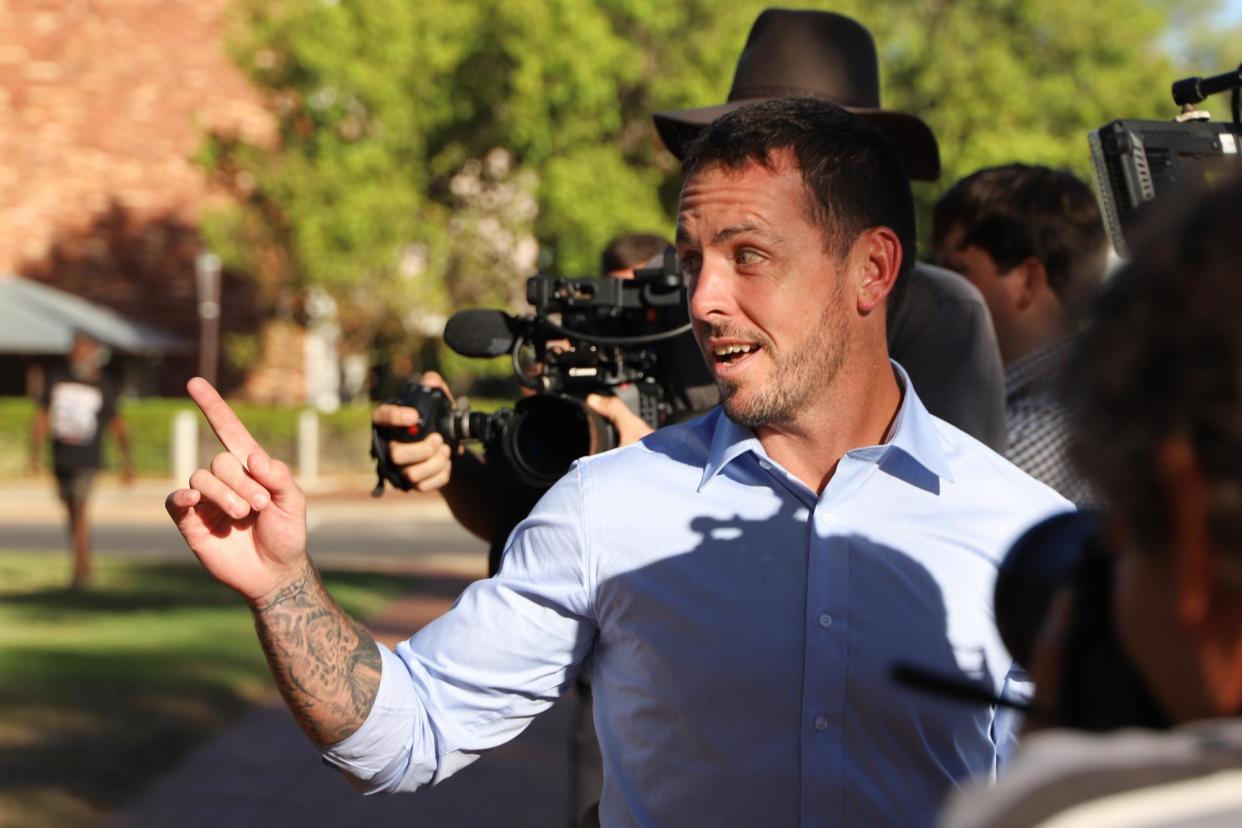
(378, 754)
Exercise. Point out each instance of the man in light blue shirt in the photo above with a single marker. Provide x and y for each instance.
(744, 581)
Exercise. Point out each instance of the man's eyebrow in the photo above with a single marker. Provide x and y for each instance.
(726, 233)
(732, 230)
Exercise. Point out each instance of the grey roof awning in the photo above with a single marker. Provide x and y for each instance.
(39, 319)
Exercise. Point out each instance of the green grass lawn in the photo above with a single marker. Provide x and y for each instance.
(101, 691)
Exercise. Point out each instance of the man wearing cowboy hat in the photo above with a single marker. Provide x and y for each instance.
(939, 328)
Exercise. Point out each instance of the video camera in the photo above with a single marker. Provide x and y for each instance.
(1140, 162)
(1099, 689)
(608, 340)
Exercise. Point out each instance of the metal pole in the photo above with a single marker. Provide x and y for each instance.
(184, 446)
(207, 277)
(308, 447)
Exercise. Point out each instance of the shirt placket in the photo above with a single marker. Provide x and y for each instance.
(826, 654)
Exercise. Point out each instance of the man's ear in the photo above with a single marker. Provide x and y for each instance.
(1028, 282)
(879, 256)
(1187, 496)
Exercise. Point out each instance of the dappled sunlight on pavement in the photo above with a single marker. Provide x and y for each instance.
(264, 772)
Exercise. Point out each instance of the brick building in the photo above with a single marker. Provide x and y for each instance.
(104, 103)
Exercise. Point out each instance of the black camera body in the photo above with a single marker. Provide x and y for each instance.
(610, 339)
(1140, 163)
(1099, 688)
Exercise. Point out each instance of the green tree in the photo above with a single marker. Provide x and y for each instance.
(1024, 80)
(380, 188)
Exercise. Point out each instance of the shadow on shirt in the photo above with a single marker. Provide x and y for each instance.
(760, 675)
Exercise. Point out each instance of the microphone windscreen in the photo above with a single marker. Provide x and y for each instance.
(480, 332)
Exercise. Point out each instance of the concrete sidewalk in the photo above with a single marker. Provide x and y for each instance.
(348, 528)
(33, 500)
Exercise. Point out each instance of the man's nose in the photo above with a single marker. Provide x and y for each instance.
(710, 293)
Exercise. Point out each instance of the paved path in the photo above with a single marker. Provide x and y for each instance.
(263, 771)
(347, 526)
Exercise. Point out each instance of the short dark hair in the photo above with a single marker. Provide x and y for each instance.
(1020, 211)
(1163, 358)
(631, 250)
(853, 177)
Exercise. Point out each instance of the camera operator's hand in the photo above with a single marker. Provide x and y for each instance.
(630, 427)
(427, 464)
(245, 519)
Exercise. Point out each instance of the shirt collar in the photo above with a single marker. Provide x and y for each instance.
(913, 433)
(729, 441)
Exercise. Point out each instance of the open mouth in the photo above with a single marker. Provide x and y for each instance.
(734, 354)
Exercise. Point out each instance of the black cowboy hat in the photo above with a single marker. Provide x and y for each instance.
(818, 55)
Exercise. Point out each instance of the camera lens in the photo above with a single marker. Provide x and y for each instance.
(549, 432)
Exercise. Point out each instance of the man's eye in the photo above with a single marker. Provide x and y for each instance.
(690, 263)
(747, 256)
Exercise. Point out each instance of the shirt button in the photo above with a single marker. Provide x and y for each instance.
(821, 723)
(825, 620)
(764, 464)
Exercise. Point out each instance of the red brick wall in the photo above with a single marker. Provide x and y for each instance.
(103, 103)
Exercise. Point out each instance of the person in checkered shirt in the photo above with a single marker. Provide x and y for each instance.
(1031, 239)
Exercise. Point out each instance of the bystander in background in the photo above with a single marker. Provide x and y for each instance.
(77, 405)
(1031, 239)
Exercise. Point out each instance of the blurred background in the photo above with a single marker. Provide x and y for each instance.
(291, 196)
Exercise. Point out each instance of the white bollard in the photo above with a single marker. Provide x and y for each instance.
(184, 447)
(308, 448)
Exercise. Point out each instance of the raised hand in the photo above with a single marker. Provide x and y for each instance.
(245, 518)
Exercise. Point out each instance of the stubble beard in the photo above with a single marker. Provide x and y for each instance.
(797, 376)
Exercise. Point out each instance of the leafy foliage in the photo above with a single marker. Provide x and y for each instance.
(384, 104)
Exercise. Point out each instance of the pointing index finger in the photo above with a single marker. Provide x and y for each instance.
(233, 435)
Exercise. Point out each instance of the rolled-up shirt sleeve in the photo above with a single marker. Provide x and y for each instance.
(475, 677)
(378, 755)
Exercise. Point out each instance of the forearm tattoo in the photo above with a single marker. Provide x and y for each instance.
(325, 663)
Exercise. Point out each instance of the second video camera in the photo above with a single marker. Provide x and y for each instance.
(586, 335)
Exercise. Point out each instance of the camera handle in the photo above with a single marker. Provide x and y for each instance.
(1190, 91)
(432, 405)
